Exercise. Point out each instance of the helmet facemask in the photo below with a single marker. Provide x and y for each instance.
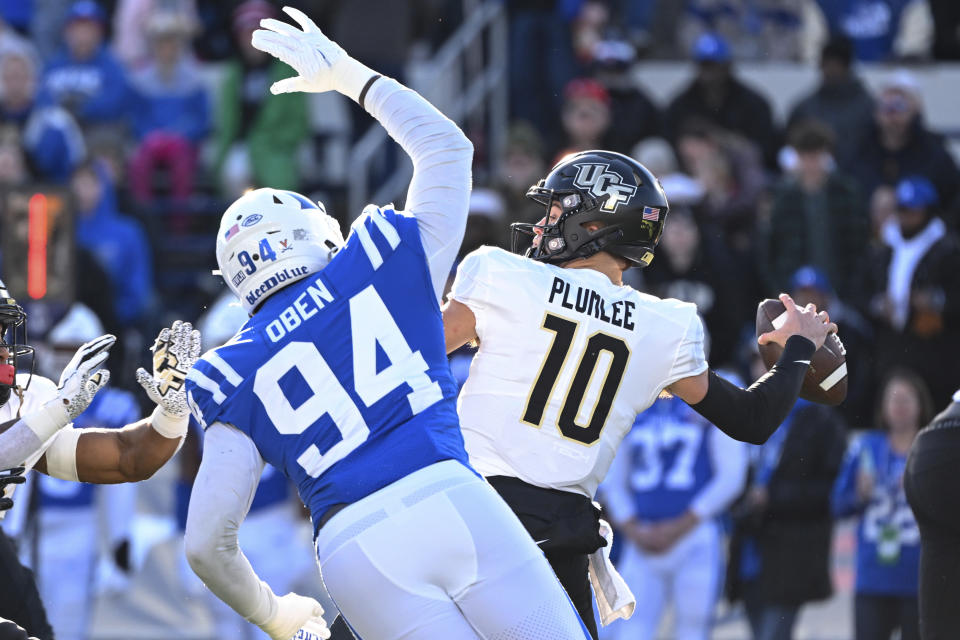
(13, 339)
(567, 238)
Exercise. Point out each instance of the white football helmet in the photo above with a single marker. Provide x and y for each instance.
(269, 238)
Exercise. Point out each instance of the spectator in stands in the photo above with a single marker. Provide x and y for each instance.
(633, 116)
(841, 101)
(810, 284)
(818, 217)
(870, 488)
(10, 40)
(730, 170)
(257, 133)
(883, 208)
(898, 144)
(116, 241)
(780, 547)
(522, 166)
(84, 77)
(757, 29)
(586, 116)
(541, 61)
(131, 26)
(674, 477)
(717, 96)
(171, 110)
(697, 267)
(51, 137)
(946, 29)
(880, 29)
(13, 165)
(914, 280)
(657, 155)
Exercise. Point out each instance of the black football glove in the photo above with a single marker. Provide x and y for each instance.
(10, 476)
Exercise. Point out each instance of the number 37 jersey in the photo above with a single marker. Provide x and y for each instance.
(341, 379)
(566, 361)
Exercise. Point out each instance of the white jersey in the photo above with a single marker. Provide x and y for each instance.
(567, 360)
(41, 390)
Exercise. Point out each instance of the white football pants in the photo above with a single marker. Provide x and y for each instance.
(438, 555)
(688, 576)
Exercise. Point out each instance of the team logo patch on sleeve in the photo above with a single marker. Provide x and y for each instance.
(600, 181)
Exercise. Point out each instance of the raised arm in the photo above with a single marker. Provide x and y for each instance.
(134, 453)
(222, 493)
(24, 439)
(442, 155)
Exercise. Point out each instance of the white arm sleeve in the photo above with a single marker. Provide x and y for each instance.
(617, 497)
(222, 492)
(439, 194)
(729, 459)
(18, 443)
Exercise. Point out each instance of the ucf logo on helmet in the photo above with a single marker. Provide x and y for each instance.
(600, 181)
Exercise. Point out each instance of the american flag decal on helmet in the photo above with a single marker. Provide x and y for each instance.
(651, 213)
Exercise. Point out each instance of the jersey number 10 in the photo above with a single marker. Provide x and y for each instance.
(370, 324)
(564, 331)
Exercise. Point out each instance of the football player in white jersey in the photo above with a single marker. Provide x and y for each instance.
(568, 355)
(34, 413)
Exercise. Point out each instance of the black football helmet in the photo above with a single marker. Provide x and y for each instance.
(595, 186)
(13, 338)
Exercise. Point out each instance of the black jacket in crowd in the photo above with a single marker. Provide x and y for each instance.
(929, 344)
(787, 246)
(743, 111)
(794, 531)
(925, 154)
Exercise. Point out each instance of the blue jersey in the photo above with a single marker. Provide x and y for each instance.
(871, 25)
(341, 379)
(888, 539)
(669, 459)
(111, 409)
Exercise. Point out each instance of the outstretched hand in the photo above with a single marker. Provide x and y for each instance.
(174, 353)
(806, 322)
(81, 378)
(313, 55)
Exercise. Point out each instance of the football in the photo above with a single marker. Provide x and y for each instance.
(826, 379)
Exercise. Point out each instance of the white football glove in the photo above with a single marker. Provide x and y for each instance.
(297, 618)
(174, 352)
(322, 64)
(81, 379)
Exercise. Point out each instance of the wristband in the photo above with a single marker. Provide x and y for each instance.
(46, 421)
(168, 426)
(352, 76)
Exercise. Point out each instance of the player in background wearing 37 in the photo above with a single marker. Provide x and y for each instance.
(34, 413)
(340, 380)
(673, 465)
(569, 355)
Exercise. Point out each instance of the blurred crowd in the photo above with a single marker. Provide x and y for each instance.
(149, 116)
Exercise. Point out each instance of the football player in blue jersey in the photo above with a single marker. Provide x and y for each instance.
(673, 478)
(340, 380)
